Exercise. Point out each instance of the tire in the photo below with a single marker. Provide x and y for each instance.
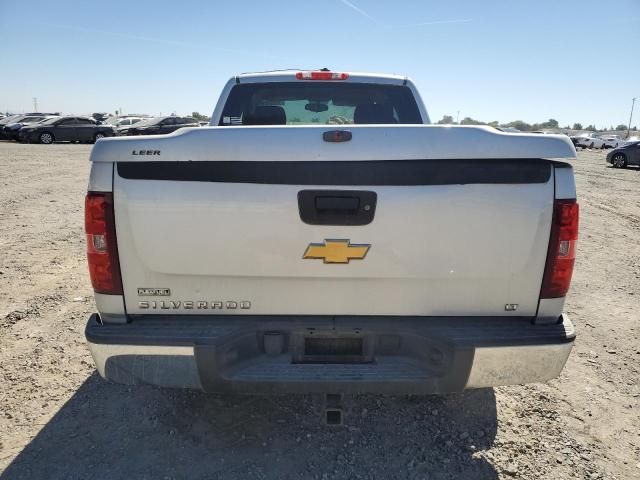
(46, 138)
(98, 136)
(619, 160)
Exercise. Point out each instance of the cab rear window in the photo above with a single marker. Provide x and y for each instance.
(319, 103)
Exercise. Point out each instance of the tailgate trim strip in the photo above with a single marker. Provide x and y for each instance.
(421, 172)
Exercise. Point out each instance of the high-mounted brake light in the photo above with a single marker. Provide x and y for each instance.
(321, 76)
(562, 249)
(102, 250)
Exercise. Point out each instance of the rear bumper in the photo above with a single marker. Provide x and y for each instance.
(416, 355)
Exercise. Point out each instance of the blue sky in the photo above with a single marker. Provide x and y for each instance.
(575, 61)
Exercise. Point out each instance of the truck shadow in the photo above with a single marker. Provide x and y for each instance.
(114, 431)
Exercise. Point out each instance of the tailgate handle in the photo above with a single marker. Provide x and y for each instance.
(337, 207)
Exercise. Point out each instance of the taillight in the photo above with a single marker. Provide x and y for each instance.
(321, 76)
(562, 249)
(102, 251)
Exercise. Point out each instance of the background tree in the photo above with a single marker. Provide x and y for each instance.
(551, 123)
(520, 125)
(471, 121)
(446, 120)
(199, 117)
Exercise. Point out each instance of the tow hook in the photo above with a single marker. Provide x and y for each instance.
(333, 408)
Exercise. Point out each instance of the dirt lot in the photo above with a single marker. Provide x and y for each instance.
(58, 419)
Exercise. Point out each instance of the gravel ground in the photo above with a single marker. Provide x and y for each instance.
(59, 419)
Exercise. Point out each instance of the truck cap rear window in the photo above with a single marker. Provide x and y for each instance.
(319, 103)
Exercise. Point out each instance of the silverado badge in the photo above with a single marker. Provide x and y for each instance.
(336, 251)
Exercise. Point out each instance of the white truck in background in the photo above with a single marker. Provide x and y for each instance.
(321, 237)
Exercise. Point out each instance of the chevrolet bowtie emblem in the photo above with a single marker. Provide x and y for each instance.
(336, 251)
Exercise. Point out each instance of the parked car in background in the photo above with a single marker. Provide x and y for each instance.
(124, 130)
(589, 141)
(627, 154)
(159, 126)
(4, 134)
(19, 117)
(612, 141)
(574, 140)
(123, 121)
(10, 119)
(128, 121)
(101, 117)
(133, 118)
(11, 130)
(66, 129)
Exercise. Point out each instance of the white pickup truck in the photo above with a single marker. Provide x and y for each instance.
(321, 237)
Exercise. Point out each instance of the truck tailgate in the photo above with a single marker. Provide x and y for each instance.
(457, 223)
